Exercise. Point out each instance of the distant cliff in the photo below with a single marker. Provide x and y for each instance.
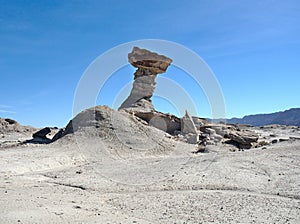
(288, 117)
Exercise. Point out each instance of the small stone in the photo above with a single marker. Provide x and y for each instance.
(284, 139)
(217, 138)
(210, 131)
(200, 149)
(192, 138)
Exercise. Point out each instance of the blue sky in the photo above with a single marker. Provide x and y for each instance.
(252, 47)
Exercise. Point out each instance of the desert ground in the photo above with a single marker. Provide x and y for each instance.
(123, 173)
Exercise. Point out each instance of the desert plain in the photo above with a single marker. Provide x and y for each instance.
(124, 171)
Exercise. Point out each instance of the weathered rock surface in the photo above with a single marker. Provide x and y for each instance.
(220, 129)
(187, 124)
(119, 128)
(144, 59)
(244, 139)
(165, 122)
(58, 135)
(199, 122)
(149, 65)
(142, 105)
(42, 133)
(12, 133)
(40, 137)
(188, 129)
(192, 138)
(10, 121)
(92, 117)
(8, 125)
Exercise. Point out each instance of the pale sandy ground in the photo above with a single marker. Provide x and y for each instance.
(81, 180)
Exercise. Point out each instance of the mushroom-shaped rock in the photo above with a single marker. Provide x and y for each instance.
(149, 65)
(144, 59)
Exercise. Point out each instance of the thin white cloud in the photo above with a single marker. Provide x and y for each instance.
(5, 106)
(7, 111)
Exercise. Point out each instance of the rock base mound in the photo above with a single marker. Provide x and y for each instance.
(119, 131)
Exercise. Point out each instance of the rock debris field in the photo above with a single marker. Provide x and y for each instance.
(139, 165)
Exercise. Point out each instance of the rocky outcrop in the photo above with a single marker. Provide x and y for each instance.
(42, 133)
(138, 105)
(243, 139)
(61, 132)
(199, 122)
(188, 129)
(149, 65)
(10, 121)
(8, 125)
(187, 124)
(117, 132)
(165, 122)
(92, 117)
(40, 137)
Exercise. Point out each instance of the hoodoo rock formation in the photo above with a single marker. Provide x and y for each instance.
(149, 65)
(193, 130)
